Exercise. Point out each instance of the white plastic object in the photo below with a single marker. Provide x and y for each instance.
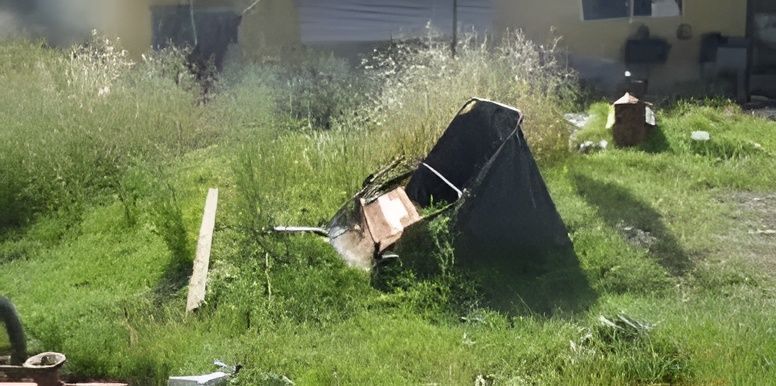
(700, 136)
(213, 379)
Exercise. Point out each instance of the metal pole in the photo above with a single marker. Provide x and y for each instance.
(750, 47)
(454, 43)
(193, 23)
(250, 7)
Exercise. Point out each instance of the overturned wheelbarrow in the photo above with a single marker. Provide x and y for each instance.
(481, 170)
(373, 220)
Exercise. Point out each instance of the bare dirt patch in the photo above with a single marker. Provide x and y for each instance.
(752, 234)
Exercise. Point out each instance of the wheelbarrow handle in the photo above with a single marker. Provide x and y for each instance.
(13, 326)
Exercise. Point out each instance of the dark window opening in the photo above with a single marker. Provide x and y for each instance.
(617, 9)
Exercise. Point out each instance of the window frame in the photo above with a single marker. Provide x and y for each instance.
(628, 17)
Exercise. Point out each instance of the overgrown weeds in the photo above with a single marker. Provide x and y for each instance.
(128, 168)
(421, 86)
(81, 120)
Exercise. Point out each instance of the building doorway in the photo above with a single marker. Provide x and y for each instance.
(761, 30)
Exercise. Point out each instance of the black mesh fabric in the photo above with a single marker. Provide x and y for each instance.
(469, 142)
(508, 208)
(508, 232)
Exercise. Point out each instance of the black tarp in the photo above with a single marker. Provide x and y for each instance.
(507, 231)
(470, 140)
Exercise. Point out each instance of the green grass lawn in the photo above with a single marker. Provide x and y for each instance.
(664, 235)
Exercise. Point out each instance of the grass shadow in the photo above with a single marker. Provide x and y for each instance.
(636, 221)
(514, 268)
(174, 278)
(545, 284)
(656, 142)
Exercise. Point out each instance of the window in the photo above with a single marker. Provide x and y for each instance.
(616, 9)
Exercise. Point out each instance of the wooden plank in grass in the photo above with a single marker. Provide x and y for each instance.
(198, 280)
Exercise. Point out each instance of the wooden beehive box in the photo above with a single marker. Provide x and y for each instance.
(630, 121)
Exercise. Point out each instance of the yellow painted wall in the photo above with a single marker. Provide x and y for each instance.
(270, 28)
(605, 39)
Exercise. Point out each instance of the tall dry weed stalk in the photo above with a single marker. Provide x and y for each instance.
(93, 68)
(420, 86)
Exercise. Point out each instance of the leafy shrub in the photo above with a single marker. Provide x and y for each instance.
(308, 92)
(318, 90)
